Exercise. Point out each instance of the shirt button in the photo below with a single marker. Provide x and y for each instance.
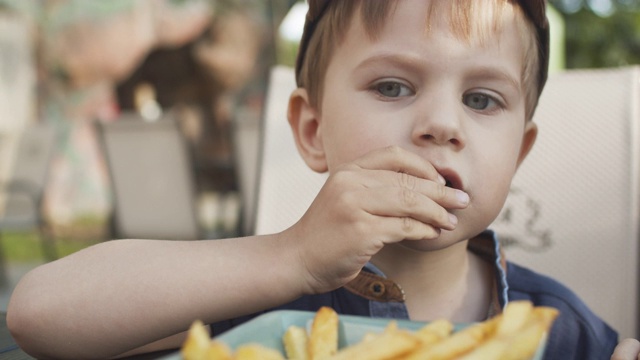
(377, 288)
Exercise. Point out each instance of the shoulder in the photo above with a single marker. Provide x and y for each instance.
(578, 333)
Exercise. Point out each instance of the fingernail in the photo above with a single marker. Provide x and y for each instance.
(453, 219)
(462, 196)
(441, 180)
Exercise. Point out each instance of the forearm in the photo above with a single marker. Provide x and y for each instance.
(120, 295)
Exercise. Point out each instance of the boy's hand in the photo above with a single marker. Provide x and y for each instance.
(384, 197)
(627, 349)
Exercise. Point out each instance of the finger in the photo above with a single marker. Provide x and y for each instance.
(447, 197)
(401, 203)
(627, 349)
(396, 229)
(396, 159)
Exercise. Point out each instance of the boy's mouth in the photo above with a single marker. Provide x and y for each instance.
(452, 179)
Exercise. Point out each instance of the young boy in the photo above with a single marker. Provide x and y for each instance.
(420, 110)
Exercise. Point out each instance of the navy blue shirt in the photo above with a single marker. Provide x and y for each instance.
(576, 334)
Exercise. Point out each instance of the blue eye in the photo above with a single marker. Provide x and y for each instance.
(392, 89)
(478, 101)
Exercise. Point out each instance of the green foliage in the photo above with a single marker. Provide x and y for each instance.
(286, 52)
(603, 42)
(27, 246)
(595, 40)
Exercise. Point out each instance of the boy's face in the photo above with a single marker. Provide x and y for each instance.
(457, 104)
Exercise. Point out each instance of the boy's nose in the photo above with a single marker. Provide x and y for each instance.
(440, 123)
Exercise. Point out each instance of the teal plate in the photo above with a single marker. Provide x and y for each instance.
(268, 329)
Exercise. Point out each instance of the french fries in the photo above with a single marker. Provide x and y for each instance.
(513, 335)
(391, 344)
(323, 340)
(295, 342)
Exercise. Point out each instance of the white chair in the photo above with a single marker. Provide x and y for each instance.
(246, 132)
(152, 179)
(286, 186)
(574, 208)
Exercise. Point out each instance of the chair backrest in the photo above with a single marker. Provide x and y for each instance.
(573, 210)
(34, 154)
(286, 186)
(247, 139)
(152, 179)
(29, 175)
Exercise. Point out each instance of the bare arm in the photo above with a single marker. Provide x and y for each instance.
(121, 295)
(106, 300)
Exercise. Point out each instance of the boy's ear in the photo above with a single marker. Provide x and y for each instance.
(528, 139)
(305, 125)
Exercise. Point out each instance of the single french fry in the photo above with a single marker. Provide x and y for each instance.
(491, 349)
(546, 315)
(257, 352)
(524, 344)
(515, 316)
(518, 335)
(197, 342)
(371, 336)
(391, 326)
(323, 339)
(218, 351)
(458, 343)
(434, 332)
(295, 342)
(388, 345)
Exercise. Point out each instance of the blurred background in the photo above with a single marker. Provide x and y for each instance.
(77, 67)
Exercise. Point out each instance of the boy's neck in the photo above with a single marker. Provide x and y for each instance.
(452, 283)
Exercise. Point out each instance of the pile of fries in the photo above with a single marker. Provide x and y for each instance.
(513, 335)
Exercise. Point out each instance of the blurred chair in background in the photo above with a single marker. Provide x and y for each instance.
(286, 186)
(22, 194)
(152, 179)
(573, 212)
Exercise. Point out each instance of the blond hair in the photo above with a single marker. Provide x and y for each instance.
(474, 21)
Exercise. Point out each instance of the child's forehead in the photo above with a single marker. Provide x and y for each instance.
(420, 34)
(475, 20)
(465, 20)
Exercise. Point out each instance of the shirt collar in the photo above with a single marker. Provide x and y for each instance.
(373, 284)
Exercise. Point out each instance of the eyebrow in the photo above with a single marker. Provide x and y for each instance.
(495, 73)
(393, 58)
(477, 72)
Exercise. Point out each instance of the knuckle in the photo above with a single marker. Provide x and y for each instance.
(408, 225)
(342, 178)
(408, 197)
(345, 199)
(441, 192)
(407, 181)
(393, 149)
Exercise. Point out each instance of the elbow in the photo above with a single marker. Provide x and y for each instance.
(26, 319)
(18, 325)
